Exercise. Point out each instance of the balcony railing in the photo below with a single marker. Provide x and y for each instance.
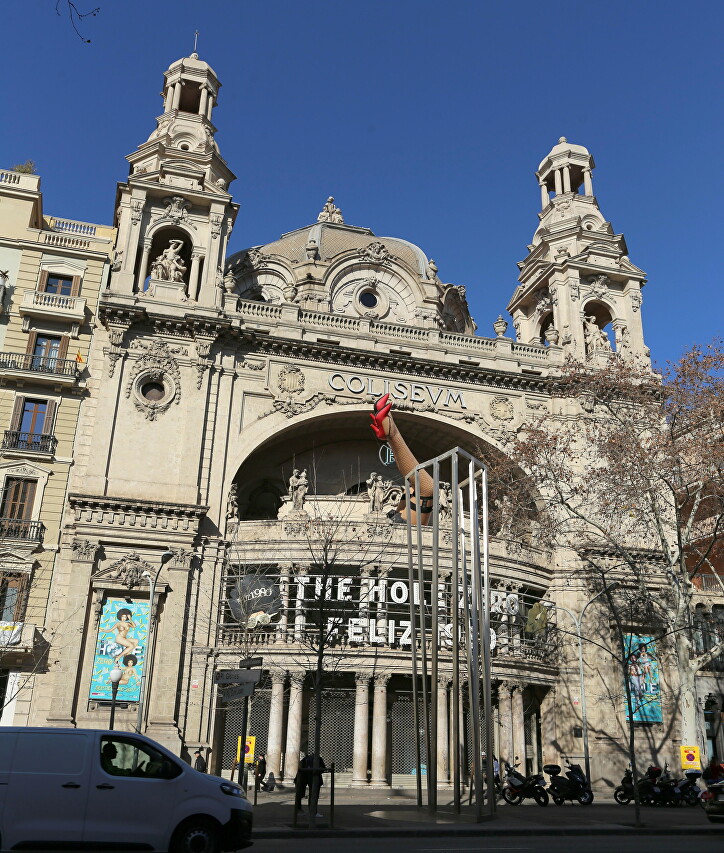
(707, 583)
(38, 363)
(21, 529)
(29, 441)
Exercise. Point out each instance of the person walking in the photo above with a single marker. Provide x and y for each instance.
(200, 762)
(260, 772)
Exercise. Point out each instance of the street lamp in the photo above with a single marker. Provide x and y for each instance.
(116, 675)
(578, 622)
(167, 555)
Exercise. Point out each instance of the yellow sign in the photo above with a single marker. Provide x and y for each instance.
(249, 751)
(690, 759)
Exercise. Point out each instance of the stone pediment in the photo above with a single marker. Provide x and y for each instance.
(16, 562)
(128, 571)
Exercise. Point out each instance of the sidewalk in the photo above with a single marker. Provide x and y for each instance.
(360, 813)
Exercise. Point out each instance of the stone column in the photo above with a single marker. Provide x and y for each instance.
(557, 178)
(301, 581)
(548, 733)
(361, 730)
(566, 179)
(176, 95)
(194, 276)
(204, 99)
(294, 725)
(535, 767)
(281, 633)
(587, 182)
(276, 722)
(379, 731)
(143, 269)
(543, 195)
(443, 756)
(209, 105)
(519, 724)
(170, 93)
(505, 713)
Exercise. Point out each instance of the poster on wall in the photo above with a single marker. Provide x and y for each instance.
(122, 638)
(643, 677)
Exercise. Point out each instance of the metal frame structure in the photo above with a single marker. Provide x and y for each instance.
(468, 561)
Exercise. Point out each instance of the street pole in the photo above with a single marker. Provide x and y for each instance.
(151, 641)
(116, 674)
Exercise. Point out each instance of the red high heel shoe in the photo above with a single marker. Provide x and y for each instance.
(382, 410)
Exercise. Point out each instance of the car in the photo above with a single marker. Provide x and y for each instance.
(89, 787)
(713, 801)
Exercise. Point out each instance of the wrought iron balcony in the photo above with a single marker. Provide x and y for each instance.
(41, 364)
(29, 441)
(22, 529)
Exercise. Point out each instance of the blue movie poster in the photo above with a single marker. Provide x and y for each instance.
(122, 638)
(643, 677)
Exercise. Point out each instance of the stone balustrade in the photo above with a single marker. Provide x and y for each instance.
(71, 226)
(431, 340)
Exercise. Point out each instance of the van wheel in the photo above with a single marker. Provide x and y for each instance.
(197, 835)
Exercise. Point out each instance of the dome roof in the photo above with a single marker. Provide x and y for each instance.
(334, 239)
(562, 147)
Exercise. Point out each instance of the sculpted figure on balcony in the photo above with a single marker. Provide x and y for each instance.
(169, 265)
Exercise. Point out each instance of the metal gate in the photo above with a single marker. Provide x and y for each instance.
(404, 755)
(259, 708)
(337, 739)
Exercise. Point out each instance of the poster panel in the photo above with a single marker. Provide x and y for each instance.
(122, 640)
(643, 676)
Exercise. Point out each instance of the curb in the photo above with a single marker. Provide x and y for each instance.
(439, 832)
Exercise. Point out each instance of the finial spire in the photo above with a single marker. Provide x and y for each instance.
(196, 39)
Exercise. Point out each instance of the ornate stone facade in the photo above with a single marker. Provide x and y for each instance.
(227, 429)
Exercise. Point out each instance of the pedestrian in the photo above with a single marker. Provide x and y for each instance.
(316, 780)
(260, 772)
(714, 772)
(200, 762)
(301, 782)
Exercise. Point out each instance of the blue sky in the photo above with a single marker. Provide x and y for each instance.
(426, 120)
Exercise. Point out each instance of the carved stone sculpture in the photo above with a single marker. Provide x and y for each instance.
(298, 488)
(232, 503)
(445, 499)
(127, 571)
(331, 213)
(169, 265)
(432, 270)
(595, 339)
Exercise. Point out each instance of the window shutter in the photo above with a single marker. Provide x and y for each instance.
(43, 283)
(48, 423)
(75, 287)
(63, 352)
(32, 339)
(17, 413)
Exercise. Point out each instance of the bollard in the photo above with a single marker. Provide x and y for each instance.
(331, 798)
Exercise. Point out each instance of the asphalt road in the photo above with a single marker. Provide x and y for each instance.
(587, 843)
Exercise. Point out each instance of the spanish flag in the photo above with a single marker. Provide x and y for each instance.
(78, 358)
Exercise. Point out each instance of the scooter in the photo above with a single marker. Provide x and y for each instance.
(572, 786)
(651, 792)
(690, 790)
(518, 787)
(625, 791)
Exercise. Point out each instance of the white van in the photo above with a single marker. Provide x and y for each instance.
(82, 788)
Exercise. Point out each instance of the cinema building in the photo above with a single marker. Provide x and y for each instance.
(214, 381)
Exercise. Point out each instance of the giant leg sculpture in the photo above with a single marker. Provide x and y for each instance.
(385, 429)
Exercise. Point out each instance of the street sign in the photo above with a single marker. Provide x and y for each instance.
(249, 663)
(249, 749)
(237, 676)
(233, 694)
(690, 758)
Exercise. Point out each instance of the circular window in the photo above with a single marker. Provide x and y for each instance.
(368, 299)
(184, 146)
(153, 391)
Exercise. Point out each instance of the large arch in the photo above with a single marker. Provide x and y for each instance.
(338, 449)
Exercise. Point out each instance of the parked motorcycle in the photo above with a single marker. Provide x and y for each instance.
(625, 791)
(573, 786)
(518, 787)
(689, 787)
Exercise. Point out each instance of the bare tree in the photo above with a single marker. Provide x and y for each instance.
(627, 469)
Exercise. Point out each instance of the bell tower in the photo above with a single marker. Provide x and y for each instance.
(578, 289)
(174, 213)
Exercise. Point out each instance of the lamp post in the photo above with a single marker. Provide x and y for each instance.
(167, 555)
(116, 675)
(578, 622)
